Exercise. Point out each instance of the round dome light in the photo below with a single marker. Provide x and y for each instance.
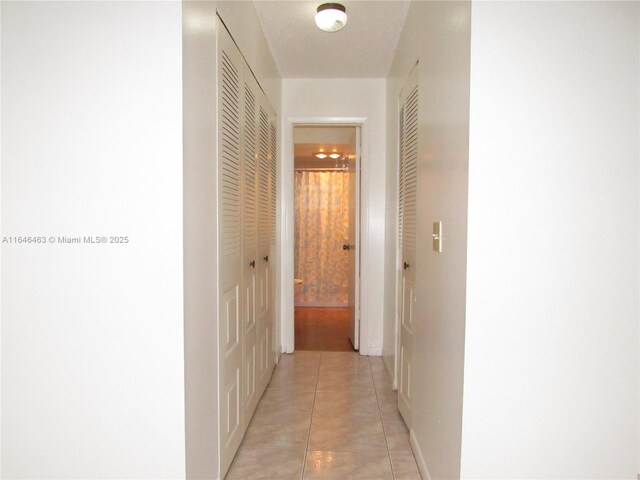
(331, 17)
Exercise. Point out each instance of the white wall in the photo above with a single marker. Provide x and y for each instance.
(200, 208)
(551, 370)
(437, 34)
(332, 98)
(551, 341)
(92, 342)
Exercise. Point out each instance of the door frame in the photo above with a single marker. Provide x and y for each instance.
(287, 221)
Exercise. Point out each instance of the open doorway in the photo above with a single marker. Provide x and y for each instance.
(326, 218)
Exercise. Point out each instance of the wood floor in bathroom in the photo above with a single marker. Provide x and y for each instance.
(322, 329)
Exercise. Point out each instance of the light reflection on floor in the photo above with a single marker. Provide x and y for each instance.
(326, 415)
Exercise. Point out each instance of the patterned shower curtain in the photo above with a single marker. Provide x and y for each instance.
(321, 228)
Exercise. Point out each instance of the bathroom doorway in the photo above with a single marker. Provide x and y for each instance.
(326, 253)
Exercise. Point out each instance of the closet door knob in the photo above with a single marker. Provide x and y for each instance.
(266, 259)
(253, 263)
(406, 265)
(346, 247)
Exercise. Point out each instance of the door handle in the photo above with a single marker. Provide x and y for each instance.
(406, 265)
(346, 247)
(253, 263)
(266, 259)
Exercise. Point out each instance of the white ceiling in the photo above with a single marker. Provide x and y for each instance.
(363, 49)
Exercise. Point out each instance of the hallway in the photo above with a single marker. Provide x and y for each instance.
(326, 415)
(169, 196)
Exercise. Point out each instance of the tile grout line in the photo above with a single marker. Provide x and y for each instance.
(313, 409)
(384, 430)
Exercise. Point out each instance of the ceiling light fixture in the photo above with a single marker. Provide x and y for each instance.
(331, 17)
(332, 155)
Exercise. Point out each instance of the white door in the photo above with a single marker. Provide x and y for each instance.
(352, 246)
(407, 237)
(263, 264)
(249, 245)
(230, 305)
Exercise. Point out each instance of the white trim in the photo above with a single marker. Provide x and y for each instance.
(287, 337)
(398, 263)
(389, 369)
(357, 254)
(373, 351)
(417, 453)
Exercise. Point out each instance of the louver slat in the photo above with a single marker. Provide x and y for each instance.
(230, 161)
(263, 184)
(273, 186)
(250, 133)
(409, 165)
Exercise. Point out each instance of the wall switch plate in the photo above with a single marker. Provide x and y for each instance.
(437, 237)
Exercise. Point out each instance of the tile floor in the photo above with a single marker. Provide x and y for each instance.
(326, 415)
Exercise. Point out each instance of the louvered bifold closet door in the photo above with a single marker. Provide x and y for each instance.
(401, 179)
(264, 272)
(230, 305)
(410, 176)
(250, 243)
(273, 193)
(407, 219)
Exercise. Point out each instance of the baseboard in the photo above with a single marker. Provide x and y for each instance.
(389, 371)
(417, 452)
(373, 352)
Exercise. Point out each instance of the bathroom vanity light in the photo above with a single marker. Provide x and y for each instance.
(331, 17)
